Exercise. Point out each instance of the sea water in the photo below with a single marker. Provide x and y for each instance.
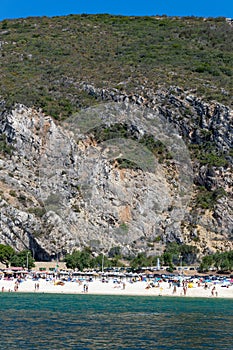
(59, 321)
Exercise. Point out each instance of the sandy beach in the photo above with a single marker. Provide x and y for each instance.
(139, 288)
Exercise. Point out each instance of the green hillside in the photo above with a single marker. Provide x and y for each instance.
(44, 59)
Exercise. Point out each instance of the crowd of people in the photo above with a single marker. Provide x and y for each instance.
(104, 283)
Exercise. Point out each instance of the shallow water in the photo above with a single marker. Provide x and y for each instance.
(56, 321)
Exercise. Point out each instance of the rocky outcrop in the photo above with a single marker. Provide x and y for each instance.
(64, 188)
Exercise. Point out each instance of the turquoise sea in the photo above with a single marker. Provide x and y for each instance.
(59, 321)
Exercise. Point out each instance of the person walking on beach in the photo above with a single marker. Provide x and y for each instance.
(185, 289)
(213, 291)
(85, 287)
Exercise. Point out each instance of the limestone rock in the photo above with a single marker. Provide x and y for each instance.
(61, 189)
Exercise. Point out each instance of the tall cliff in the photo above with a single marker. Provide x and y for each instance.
(100, 147)
(136, 171)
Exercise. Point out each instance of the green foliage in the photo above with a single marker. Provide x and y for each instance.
(5, 148)
(207, 154)
(180, 253)
(6, 254)
(23, 259)
(167, 259)
(139, 261)
(206, 263)
(101, 261)
(37, 211)
(12, 193)
(127, 164)
(83, 259)
(115, 255)
(123, 131)
(156, 147)
(189, 254)
(4, 24)
(214, 159)
(207, 199)
(78, 259)
(116, 262)
(124, 227)
(117, 130)
(221, 261)
(22, 198)
(158, 239)
(174, 254)
(44, 58)
(224, 261)
(114, 251)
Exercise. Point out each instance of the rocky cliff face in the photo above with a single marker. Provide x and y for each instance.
(99, 180)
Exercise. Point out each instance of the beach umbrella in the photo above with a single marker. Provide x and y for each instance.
(20, 271)
(121, 275)
(226, 283)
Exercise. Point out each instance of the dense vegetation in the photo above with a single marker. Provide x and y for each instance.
(174, 255)
(10, 257)
(84, 259)
(45, 59)
(220, 261)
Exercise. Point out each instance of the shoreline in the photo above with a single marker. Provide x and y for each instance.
(97, 287)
